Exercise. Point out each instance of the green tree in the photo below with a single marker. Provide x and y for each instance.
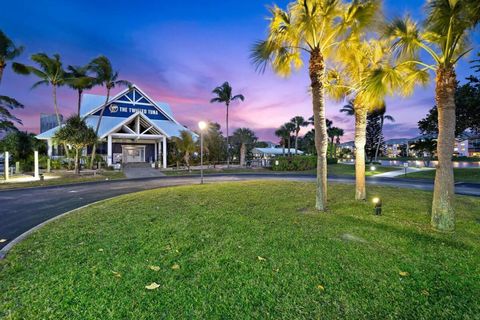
(284, 136)
(313, 29)
(7, 119)
(245, 139)
(290, 127)
(50, 72)
(8, 52)
(299, 122)
(426, 148)
(374, 135)
(108, 78)
(186, 146)
(214, 144)
(224, 95)
(383, 116)
(444, 39)
(78, 79)
(78, 135)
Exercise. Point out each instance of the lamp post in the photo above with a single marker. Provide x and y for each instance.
(201, 125)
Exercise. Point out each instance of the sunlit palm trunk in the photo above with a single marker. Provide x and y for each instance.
(94, 148)
(77, 162)
(186, 158)
(242, 154)
(57, 113)
(317, 75)
(360, 141)
(443, 215)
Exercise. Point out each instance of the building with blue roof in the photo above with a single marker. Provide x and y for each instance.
(133, 127)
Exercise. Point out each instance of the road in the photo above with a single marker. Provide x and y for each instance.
(23, 209)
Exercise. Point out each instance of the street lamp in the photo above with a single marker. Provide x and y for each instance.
(202, 125)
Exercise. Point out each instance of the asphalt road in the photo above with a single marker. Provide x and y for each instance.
(23, 209)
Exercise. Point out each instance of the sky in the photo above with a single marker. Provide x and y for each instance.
(177, 52)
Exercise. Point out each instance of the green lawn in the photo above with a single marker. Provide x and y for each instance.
(248, 250)
(63, 178)
(349, 170)
(461, 175)
(215, 170)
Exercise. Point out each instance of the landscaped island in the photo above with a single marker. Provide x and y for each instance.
(248, 249)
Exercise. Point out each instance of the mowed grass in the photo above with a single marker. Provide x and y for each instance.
(461, 175)
(349, 170)
(248, 250)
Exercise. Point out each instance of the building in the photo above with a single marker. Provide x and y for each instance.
(266, 153)
(48, 121)
(134, 128)
(467, 145)
(350, 145)
(394, 147)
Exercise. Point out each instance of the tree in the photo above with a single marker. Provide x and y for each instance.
(444, 39)
(224, 95)
(374, 137)
(50, 72)
(333, 132)
(349, 108)
(298, 122)
(307, 142)
(426, 148)
(78, 135)
(338, 133)
(21, 145)
(186, 146)
(381, 113)
(290, 127)
(314, 29)
(214, 144)
(284, 136)
(78, 79)
(245, 139)
(8, 52)
(107, 77)
(7, 119)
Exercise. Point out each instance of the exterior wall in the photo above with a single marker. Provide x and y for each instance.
(149, 149)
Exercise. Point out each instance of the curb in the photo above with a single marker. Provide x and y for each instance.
(4, 251)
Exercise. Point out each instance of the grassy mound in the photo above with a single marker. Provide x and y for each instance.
(248, 250)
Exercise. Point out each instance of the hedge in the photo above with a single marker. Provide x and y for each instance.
(297, 163)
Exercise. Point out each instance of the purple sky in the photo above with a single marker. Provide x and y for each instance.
(178, 53)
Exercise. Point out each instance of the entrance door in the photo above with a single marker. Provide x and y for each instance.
(133, 154)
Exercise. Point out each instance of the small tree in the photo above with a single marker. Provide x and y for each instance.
(214, 144)
(244, 138)
(298, 122)
(78, 135)
(426, 148)
(186, 146)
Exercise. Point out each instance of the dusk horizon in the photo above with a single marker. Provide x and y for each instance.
(178, 55)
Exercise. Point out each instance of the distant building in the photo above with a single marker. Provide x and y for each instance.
(48, 121)
(467, 145)
(266, 153)
(350, 145)
(394, 147)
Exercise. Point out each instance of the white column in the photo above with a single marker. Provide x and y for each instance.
(35, 165)
(164, 152)
(6, 165)
(50, 147)
(109, 150)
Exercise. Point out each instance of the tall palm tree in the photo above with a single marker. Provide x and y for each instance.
(313, 29)
(339, 133)
(444, 39)
(186, 145)
(50, 72)
(349, 108)
(245, 138)
(7, 119)
(381, 113)
(78, 79)
(290, 127)
(8, 52)
(224, 95)
(299, 122)
(107, 77)
(333, 132)
(283, 134)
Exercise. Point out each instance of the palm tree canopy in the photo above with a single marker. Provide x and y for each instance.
(244, 136)
(299, 122)
(349, 108)
(224, 94)
(7, 119)
(105, 75)
(76, 133)
(77, 78)
(290, 127)
(8, 50)
(308, 26)
(185, 142)
(282, 132)
(50, 69)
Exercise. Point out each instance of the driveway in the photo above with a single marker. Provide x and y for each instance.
(141, 171)
(23, 209)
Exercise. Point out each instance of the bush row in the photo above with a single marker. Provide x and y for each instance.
(297, 163)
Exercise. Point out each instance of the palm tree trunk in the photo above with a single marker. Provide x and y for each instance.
(379, 138)
(186, 157)
(228, 145)
(289, 147)
(79, 101)
(55, 106)
(296, 142)
(443, 215)
(77, 162)
(317, 76)
(360, 141)
(242, 155)
(94, 148)
(283, 147)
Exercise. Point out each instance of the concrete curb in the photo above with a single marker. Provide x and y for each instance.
(4, 251)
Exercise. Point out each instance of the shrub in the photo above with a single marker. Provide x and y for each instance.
(294, 163)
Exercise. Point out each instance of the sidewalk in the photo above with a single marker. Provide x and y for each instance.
(400, 172)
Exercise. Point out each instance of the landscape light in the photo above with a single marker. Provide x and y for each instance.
(373, 168)
(202, 125)
(378, 206)
(276, 162)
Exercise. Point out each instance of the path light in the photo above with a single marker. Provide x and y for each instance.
(202, 125)
(378, 206)
(373, 168)
(277, 163)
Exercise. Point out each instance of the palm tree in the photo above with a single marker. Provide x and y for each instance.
(245, 138)
(283, 134)
(290, 127)
(381, 113)
(107, 77)
(50, 72)
(348, 109)
(186, 145)
(224, 95)
(8, 52)
(333, 132)
(7, 119)
(426, 147)
(312, 28)
(339, 133)
(78, 135)
(299, 122)
(78, 79)
(444, 39)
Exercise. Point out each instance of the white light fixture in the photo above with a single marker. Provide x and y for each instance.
(373, 168)
(202, 125)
